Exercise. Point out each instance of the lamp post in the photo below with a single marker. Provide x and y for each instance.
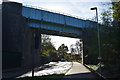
(98, 35)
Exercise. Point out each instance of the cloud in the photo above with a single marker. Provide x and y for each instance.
(79, 8)
(64, 0)
(39, 1)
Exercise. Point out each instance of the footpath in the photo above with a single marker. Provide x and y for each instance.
(79, 72)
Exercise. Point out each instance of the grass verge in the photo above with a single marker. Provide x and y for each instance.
(94, 67)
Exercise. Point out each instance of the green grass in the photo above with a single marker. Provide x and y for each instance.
(47, 77)
(94, 67)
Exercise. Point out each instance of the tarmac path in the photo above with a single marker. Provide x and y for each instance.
(79, 72)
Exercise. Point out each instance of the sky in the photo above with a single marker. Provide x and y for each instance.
(79, 8)
(57, 41)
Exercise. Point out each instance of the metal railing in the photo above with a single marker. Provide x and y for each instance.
(54, 11)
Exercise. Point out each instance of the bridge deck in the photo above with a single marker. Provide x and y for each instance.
(53, 21)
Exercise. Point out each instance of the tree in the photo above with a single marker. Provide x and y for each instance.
(106, 18)
(116, 36)
(106, 35)
(63, 49)
(116, 24)
(47, 45)
(110, 39)
(116, 13)
(73, 50)
(78, 46)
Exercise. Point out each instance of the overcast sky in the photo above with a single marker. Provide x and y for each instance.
(79, 8)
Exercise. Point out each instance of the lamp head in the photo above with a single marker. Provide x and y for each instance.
(94, 8)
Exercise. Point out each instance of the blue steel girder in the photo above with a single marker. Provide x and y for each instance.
(53, 21)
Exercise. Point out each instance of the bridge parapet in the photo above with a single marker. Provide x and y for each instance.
(42, 15)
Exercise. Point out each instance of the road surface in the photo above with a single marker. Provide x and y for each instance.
(79, 72)
(49, 69)
(46, 69)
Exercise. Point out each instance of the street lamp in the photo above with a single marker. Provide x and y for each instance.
(99, 58)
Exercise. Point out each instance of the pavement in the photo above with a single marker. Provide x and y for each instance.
(72, 70)
(49, 69)
(79, 72)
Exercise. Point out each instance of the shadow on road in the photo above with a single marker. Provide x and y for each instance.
(44, 67)
(17, 73)
(13, 74)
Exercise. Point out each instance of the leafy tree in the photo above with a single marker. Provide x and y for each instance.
(110, 39)
(73, 50)
(106, 34)
(106, 18)
(116, 24)
(63, 49)
(116, 35)
(47, 45)
(116, 13)
(78, 47)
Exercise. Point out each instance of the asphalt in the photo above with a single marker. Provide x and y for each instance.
(79, 72)
(46, 69)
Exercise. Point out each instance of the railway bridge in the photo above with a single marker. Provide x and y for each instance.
(22, 29)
